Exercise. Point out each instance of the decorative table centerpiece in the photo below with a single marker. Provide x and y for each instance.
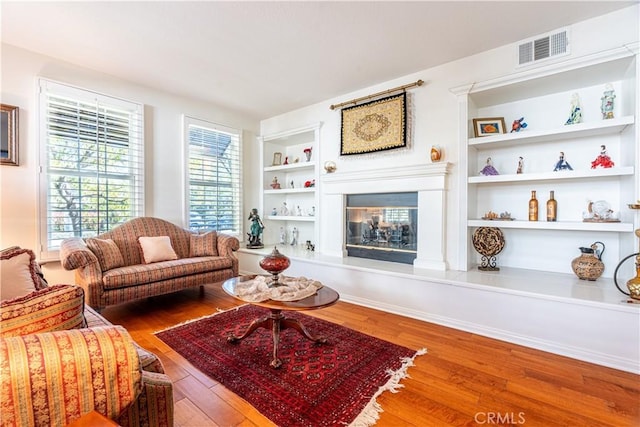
(275, 263)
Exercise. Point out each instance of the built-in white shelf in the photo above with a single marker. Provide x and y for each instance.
(291, 190)
(550, 176)
(616, 227)
(541, 94)
(291, 218)
(291, 166)
(579, 130)
(293, 144)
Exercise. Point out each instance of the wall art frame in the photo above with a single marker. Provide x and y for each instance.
(9, 135)
(374, 126)
(488, 126)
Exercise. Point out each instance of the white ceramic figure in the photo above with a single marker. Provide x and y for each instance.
(576, 111)
(606, 107)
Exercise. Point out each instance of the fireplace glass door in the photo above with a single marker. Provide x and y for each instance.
(382, 226)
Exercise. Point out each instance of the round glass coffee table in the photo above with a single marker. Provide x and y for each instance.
(276, 321)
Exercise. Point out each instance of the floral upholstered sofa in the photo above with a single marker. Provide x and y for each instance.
(146, 257)
(60, 360)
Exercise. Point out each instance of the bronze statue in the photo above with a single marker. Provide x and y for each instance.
(255, 231)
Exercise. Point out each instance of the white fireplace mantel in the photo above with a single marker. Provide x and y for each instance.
(427, 180)
(410, 178)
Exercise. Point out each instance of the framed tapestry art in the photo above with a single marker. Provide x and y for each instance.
(374, 126)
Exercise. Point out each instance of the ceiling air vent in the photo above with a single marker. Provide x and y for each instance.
(543, 47)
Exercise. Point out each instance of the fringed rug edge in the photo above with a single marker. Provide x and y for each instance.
(371, 412)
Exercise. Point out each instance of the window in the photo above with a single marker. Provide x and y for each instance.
(214, 198)
(91, 163)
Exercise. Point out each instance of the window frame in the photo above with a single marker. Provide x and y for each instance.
(188, 121)
(79, 94)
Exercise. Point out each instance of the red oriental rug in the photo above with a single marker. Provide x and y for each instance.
(330, 384)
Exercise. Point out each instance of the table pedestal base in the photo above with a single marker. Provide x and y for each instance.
(277, 322)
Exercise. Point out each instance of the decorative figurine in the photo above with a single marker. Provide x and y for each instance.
(308, 184)
(606, 107)
(562, 164)
(520, 165)
(284, 210)
(294, 236)
(283, 236)
(518, 125)
(291, 184)
(490, 215)
(307, 153)
(298, 211)
(255, 231)
(286, 160)
(488, 169)
(275, 184)
(274, 211)
(576, 112)
(603, 159)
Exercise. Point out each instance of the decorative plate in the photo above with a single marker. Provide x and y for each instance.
(488, 241)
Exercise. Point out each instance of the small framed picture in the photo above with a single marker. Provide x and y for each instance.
(490, 126)
(277, 159)
(9, 135)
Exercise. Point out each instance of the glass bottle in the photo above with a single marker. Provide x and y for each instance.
(552, 208)
(533, 207)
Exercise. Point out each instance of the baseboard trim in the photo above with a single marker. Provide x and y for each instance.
(595, 357)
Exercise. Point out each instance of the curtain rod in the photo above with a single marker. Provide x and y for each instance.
(375, 95)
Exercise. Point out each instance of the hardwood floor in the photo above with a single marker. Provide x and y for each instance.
(463, 380)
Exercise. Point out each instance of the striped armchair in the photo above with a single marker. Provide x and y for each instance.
(116, 266)
(53, 378)
(59, 359)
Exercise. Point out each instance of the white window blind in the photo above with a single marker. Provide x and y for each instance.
(92, 164)
(214, 177)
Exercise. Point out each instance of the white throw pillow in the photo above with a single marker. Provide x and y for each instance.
(15, 277)
(156, 249)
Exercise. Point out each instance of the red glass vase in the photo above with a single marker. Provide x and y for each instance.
(275, 263)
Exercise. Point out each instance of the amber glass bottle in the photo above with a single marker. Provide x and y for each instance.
(533, 207)
(552, 208)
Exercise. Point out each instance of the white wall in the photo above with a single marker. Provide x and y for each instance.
(434, 115)
(163, 143)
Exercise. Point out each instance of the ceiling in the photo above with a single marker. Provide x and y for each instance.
(265, 58)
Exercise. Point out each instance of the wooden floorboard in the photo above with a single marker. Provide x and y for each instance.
(463, 380)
